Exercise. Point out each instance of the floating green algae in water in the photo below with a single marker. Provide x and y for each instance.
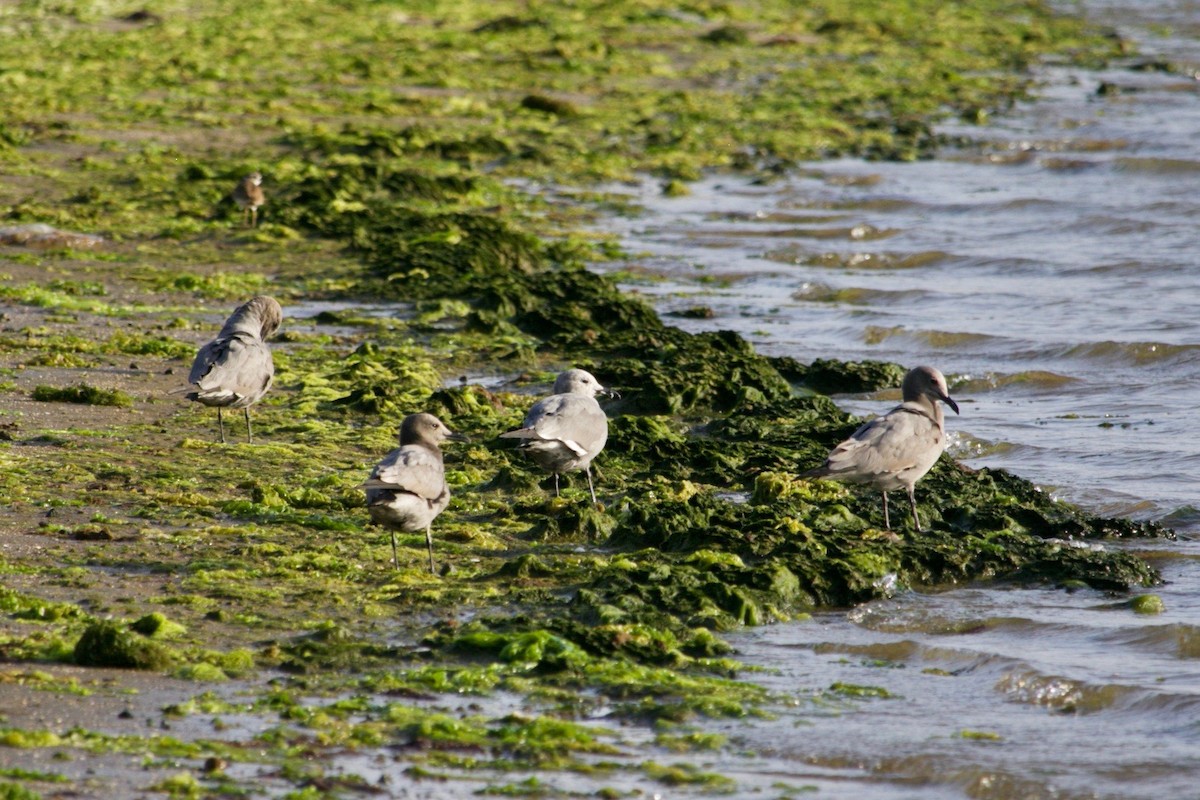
(857, 690)
(979, 736)
(1147, 604)
(82, 394)
(20, 738)
(687, 775)
(691, 742)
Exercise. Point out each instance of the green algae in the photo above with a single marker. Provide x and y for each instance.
(32, 775)
(858, 691)
(157, 626)
(17, 791)
(691, 742)
(687, 775)
(44, 681)
(979, 736)
(1147, 604)
(250, 545)
(844, 377)
(107, 644)
(82, 394)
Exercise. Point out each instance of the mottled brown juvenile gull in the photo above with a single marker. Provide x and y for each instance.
(248, 195)
(235, 370)
(896, 450)
(407, 489)
(565, 431)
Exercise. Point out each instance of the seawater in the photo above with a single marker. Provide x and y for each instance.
(1049, 267)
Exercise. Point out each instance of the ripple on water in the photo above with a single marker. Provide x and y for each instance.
(860, 231)
(1032, 687)
(853, 295)
(1069, 164)
(777, 217)
(1165, 166)
(1034, 378)
(1177, 640)
(802, 255)
(1131, 353)
(963, 445)
(876, 334)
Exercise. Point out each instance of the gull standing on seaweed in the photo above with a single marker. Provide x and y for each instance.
(896, 450)
(248, 195)
(235, 370)
(565, 431)
(407, 489)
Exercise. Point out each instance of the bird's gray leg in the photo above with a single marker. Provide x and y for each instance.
(429, 544)
(221, 425)
(395, 555)
(912, 501)
(556, 484)
(887, 524)
(249, 438)
(591, 489)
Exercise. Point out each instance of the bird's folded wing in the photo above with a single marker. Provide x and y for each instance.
(222, 361)
(883, 446)
(409, 469)
(568, 416)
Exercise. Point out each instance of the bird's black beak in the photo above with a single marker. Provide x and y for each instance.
(459, 437)
(950, 402)
(613, 393)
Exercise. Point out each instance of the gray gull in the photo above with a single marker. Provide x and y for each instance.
(235, 370)
(896, 450)
(407, 489)
(565, 431)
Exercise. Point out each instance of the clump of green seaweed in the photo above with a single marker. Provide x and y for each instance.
(108, 644)
(82, 394)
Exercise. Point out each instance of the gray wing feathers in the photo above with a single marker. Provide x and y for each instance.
(410, 469)
(236, 367)
(903, 441)
(575, 420)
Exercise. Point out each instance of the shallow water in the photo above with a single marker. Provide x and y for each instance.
(1048, 267)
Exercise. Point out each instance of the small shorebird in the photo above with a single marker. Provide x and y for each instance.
(407, 489)
(565, 431)
(248, 195)
(896, 450)
(235, 370)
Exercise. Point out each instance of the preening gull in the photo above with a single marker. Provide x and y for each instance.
(235, 370)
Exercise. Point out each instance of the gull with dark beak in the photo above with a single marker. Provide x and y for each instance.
(565, 431)
(896, 450)
(407, 489)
